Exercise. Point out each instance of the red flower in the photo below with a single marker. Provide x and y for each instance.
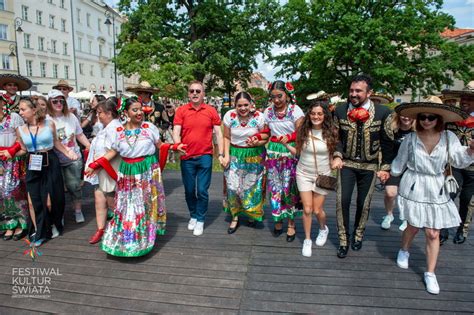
(233, 115)
(289, 87)
(147, 109)
(269, 86)
(358, 114)
(145, 125)
(469, 122)
(119, 129)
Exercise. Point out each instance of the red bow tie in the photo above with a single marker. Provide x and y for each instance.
(358, 114)
(469, 122)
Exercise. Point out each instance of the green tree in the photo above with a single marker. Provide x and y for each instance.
(169, 43)
(397, 42)
(260, 96)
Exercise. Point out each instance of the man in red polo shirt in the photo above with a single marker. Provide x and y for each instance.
(194, 124)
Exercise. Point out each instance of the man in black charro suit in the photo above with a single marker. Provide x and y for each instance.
(364, 137)
(465, 177)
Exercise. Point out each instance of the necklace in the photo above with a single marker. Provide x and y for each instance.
(244, 123)
(134, 133)
(281, 115)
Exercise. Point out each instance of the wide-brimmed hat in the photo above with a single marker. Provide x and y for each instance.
(452, 94)
(381, 97)
(434, 105)
(22, 82)
(321, 95)
(144, 86)
(63, 83)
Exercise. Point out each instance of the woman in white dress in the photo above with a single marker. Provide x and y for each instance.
(422, 158)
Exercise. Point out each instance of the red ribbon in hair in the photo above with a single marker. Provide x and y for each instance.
(468, 123)
(359, 114)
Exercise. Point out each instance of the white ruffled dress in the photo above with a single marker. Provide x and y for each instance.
(422, 198)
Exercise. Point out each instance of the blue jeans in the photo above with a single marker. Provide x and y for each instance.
(197, 171)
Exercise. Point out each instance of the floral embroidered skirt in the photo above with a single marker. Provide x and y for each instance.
(140, 211)
(281, 174)
(13, 204)
(245, 182)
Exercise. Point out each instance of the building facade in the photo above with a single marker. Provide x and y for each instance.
(61, 39)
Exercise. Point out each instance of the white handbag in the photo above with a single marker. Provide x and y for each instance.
(450, 183)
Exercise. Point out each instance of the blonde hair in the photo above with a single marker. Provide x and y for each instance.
(395, 124)
(40, 114)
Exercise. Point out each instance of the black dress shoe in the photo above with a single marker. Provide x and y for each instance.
(459, 238)
(342, 251)
(290, 238)
(252, 224)
(231, 230)
(356, 245)
(7, 237)
(17, 237)
(443, 236)
(277, 232)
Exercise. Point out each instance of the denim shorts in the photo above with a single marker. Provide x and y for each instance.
(72, 175)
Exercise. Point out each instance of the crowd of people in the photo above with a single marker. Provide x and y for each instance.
(294, 158)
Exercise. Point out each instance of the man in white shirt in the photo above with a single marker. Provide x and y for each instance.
(73, 104)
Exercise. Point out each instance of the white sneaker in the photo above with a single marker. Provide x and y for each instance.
(79, 216)
(402, 259)
(198, 229)
(322, 237)
(55, 232)
(192, 224)
(403, 226)
(387, 220)
(306, 251)
(431, 283)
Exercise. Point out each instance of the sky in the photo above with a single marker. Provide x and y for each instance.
(461, 10)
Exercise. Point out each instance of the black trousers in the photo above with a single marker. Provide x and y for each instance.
(348, 178)
(40, 184)
(465, 179)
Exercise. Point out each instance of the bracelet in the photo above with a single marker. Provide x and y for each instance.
(221, 155)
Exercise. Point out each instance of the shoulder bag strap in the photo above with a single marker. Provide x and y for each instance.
(314, 153)
(449, 170)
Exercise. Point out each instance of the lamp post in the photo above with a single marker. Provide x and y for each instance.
(108, 15)
(14, 47)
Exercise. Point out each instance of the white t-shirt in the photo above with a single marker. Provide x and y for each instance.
(134, 143)
(74, 103)
(67, 128)
(7, 129)
(286, 125)
(240, 133)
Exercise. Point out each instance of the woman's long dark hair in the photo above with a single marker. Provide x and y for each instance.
(330, 134)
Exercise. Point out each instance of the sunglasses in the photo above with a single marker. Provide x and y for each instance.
(194, 91)
(58, 102)
(429, 117)
(62, 89)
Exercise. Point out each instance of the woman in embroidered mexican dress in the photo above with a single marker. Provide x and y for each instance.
(283, 118)
(140, 212)
(422, 198)
(13, 205)
(243, 162)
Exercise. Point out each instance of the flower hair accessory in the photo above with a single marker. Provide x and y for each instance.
(8, 103)
(120, 105)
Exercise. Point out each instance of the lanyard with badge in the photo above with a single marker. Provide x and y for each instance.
(36, 159)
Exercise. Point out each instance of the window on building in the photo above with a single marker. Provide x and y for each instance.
(51, 21)
(90, 47)
(39, 17)
(88, 19)
(99, 25)
(78, 14)
(63, 25)
(108, 29)
(43, 69)
(2, 5)
(65, 49)
(100, 50)
(54, 46)
(26, 39)
(50, 1)
(29, 68)
(91, 72)
(61, 4)
(111, 73)
(102, 75)
(55, 71)
(81, 68)
(5, 62)
(3, 31)
(24, 13)
(66, 72)
(79, 44)
(41, 43)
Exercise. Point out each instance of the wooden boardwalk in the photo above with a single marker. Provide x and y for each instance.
(247, 272)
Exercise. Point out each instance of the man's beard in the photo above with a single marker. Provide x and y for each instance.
(358, 102)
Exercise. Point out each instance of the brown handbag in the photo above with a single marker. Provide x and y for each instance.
(323, 181)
